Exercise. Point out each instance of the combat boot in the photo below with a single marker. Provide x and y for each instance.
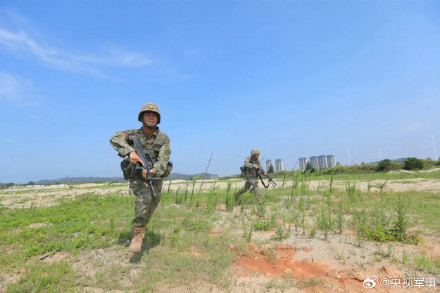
(138, 234)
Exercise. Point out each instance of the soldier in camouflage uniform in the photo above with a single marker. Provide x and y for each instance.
(158, 143)
(251, 167)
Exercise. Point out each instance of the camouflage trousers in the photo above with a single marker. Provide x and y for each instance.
(252, 184)
(145, 204)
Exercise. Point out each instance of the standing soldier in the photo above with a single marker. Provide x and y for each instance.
(158, 144)
(252, 166)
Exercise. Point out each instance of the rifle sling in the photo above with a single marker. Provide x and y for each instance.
(261, 179)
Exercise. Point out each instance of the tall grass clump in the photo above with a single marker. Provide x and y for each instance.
(340, 220)
(294, 188)
(177, 197)
(331, 183)
(194, 185)
(302, 209)
(284, 180)
(212, 199)
(229, 200)
(323, 218)
(186, 192)
(401, 222)
(376, 225)
(249, 235)
(352, 191)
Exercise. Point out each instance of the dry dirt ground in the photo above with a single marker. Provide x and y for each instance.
(47, 196)
(337, 264)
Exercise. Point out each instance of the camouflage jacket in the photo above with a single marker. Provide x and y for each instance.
(250, 163)
(157, 144)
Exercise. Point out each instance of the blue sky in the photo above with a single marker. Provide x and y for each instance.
(293, 78)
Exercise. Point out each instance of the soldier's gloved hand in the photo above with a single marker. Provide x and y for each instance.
(257, 167)
(134, 158)
(265, 174)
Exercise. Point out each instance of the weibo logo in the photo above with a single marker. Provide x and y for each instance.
(370, 283)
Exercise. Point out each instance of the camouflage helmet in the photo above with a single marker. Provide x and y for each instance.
(255, 151)
(149, 107)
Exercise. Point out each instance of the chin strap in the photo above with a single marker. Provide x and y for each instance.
(149, 126)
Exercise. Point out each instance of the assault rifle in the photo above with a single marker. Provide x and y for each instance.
(261, 172)
(147, 159)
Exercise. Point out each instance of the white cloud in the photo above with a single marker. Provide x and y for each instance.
(19, 36)
(67, 61)
(119, 57)
(17, 91)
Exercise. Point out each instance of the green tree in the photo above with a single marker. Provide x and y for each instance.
(271, 170)
(384, 166)
(413, 164)
(309, 167)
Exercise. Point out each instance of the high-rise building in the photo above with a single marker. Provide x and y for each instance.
(322, 161)
(318, 162)
(279, 165)
(331, 161)
(314, 162)
(303, 163)
(268, 163)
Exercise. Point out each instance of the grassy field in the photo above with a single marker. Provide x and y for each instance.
(207, 242)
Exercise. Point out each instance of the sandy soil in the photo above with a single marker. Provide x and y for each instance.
(336, 264)
(47, 196)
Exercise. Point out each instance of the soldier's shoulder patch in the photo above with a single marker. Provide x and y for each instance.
(127, 132)
(167, 152)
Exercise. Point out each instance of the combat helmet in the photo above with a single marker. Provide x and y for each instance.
(150, 107)
(255, 151)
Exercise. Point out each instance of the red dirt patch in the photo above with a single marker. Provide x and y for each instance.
(276, 263)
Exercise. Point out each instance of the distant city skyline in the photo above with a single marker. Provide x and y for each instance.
(318, 162)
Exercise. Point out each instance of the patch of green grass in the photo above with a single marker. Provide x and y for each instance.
(39, 277)
(263, 224)
(305, 283)
(376, 225)
(75, 225)
(423, 262)
(281, 233)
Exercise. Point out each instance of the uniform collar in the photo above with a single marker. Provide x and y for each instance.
(140, 130)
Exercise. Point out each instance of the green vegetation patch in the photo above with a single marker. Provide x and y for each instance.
(77, 224)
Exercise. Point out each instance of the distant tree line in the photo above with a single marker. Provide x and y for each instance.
(6, 185)
(382, 166)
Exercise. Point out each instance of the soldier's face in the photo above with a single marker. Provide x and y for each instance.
(257, 156)
(150, 118)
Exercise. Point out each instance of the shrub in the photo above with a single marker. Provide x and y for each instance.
(384, 166)
(413, 164)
